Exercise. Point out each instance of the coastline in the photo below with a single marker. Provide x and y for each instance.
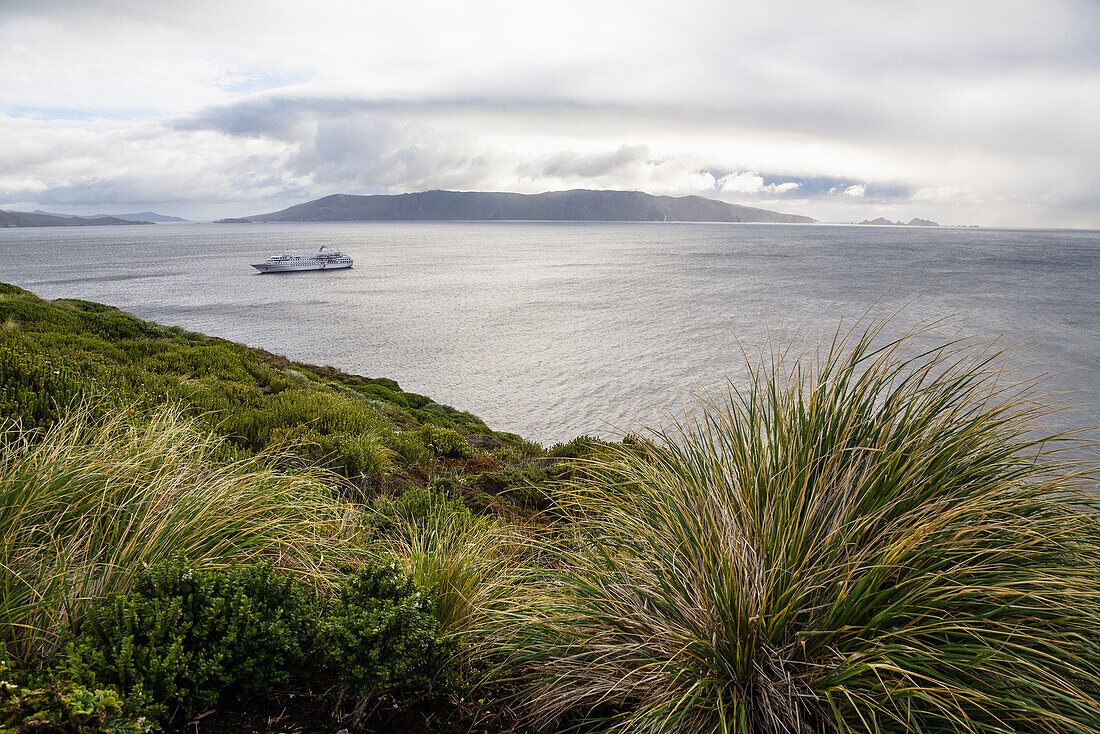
(529, 578)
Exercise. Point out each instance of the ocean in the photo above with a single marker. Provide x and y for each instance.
(554, 330)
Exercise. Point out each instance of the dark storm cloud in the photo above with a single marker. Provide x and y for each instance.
(370, 150)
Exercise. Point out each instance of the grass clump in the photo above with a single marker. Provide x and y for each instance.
(857, 541)
(466, 561)
(89, 503)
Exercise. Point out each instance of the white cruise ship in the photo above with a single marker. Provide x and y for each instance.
(323, 259)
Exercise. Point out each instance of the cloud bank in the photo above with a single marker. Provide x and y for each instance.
(969, 112)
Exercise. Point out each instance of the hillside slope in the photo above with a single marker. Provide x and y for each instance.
(24, 219)
(56, 353)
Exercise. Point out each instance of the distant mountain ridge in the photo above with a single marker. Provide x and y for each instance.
(575, 205)
(30, 219)
(135, 217)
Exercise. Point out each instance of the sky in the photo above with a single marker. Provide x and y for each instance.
(962, 111)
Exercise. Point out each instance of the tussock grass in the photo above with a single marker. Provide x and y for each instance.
(100, 494)
(862, 539)
(472, 564)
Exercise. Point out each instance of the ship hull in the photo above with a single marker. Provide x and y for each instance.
(296, 267)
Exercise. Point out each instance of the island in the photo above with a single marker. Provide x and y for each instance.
(576, 205)
(914, 222)
(142, 217)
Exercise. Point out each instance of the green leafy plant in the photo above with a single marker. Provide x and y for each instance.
(351, 454)
(445, 442)
(63, 708)
(410, 447)
(382, 638)
(419, 505)
(182, 637)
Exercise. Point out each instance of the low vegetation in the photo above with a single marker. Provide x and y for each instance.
(63, 707)
(868, 537)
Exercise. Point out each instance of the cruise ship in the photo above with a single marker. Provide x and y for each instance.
(323, 259)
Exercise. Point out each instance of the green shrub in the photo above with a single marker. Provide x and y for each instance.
(530, 488)
(409, 445)
(324, 410)
(580, 447)
(181, 637)
(381, 392)
(381, 637)
(33, 387)
(531, 496)
(445, 442)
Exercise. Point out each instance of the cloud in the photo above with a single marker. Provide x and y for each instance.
(72, 163)
(962, 111)
(570, 164)
(376, 152)
(751, 182)
(943, 194)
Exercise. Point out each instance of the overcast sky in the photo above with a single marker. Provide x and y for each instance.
(965, 112)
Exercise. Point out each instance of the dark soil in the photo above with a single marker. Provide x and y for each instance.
(304, 712)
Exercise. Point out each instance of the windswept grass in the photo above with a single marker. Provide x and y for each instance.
(860, 540)
(99, 496)
(471, 563)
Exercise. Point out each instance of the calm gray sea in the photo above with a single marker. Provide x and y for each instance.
(553, 330)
